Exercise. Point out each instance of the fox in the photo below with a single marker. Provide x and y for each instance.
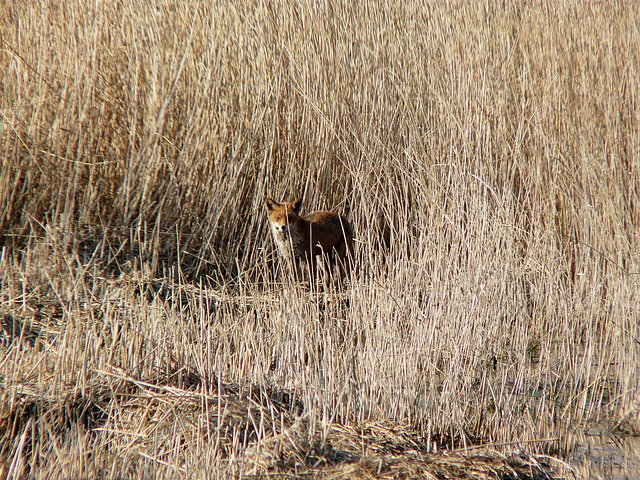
(304, 238)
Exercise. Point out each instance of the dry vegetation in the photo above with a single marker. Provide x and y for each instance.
(486, 153)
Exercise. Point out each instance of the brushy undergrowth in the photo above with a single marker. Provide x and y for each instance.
(486, 154)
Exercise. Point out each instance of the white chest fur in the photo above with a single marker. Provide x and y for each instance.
(288, 240)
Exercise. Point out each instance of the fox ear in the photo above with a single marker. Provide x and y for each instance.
(270, 203)
(296, 204)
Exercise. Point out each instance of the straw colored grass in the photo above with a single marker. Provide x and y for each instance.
(486, 155)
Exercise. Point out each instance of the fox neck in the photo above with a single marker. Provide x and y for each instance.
(293, 243)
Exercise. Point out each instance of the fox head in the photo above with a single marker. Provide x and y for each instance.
(283, 216)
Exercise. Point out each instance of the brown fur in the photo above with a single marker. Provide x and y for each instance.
(303, 238)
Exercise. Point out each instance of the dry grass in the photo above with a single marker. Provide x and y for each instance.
(486, 155)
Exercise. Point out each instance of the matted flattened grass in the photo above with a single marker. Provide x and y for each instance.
(72, 412)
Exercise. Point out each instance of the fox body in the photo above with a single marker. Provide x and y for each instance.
(303, 238)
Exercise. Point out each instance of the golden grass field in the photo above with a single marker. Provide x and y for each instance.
(487, 155)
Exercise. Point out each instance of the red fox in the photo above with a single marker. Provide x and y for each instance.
(303, 238)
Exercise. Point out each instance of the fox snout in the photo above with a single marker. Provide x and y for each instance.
(283, 229)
